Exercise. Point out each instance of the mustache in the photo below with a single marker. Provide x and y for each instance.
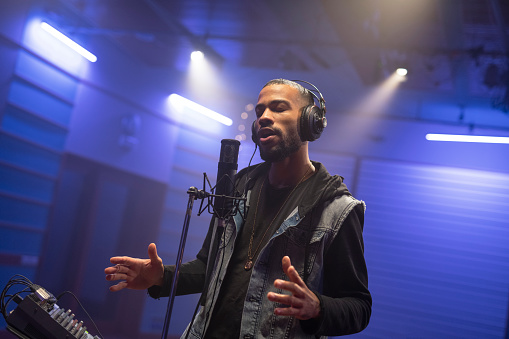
(276, 130)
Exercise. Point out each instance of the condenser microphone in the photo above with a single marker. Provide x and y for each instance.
(226, 170)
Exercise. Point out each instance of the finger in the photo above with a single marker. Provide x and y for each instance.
(120, 286)
(286, 263)
(285, 299)
(294, 276)
(117, 269)
(152, 254)
(288, 311)
(126, 261)
(110, 270)
(290, 271)
(117, 276)
(289, 286)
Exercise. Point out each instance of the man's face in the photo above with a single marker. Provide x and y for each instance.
(277, 112)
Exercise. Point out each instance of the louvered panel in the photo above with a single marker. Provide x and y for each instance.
(45, 76)
(25, 184)
(39, 101)
(436, 242)
(33, 99)
(34, 128)
(342, 165)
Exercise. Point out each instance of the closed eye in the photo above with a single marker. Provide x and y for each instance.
(279, 105)
(276, 106)
(259, 109)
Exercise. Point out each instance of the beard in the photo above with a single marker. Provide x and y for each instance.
(290, 143)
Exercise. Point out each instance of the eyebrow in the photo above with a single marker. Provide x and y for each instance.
(275, 102)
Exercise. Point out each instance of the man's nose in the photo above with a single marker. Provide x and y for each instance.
(267, 118)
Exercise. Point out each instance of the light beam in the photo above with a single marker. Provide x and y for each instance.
(180, 102)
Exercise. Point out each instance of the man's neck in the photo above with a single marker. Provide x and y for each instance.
(290, 171)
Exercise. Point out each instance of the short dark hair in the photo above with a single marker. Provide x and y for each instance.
(304, 92)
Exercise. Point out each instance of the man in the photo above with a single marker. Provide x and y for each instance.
(295, 266)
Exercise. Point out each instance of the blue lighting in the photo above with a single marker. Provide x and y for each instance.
(181, 102)
(67, 41)
(467, 138)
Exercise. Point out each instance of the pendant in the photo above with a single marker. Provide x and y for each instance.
(248, 265)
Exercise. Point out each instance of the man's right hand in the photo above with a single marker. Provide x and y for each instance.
(134, 273)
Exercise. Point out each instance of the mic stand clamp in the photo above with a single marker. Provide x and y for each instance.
(197, 194)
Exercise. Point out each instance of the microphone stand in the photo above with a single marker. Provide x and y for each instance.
(194, 194)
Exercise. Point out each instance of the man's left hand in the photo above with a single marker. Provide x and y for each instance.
(303, 304)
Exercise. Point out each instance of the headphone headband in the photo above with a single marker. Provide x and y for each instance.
(319, 97)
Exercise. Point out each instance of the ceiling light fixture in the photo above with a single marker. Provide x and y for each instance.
(401, 72)
(180, 102)
(197, 56)
(69, 42)
(467, 138)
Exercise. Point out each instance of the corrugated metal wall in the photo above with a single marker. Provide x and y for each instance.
(33, 131)
(437, 249)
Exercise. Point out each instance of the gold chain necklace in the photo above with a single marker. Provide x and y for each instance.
(250, 256)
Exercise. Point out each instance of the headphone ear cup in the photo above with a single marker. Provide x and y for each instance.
(254, 135)
(304, 123)
(310, 127)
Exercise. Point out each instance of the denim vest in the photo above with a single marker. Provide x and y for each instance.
(304, 239)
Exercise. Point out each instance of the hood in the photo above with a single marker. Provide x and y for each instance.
(329, 186)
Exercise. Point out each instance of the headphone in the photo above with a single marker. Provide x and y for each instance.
(312, 120)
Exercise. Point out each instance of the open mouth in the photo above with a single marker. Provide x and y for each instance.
(266, 134)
